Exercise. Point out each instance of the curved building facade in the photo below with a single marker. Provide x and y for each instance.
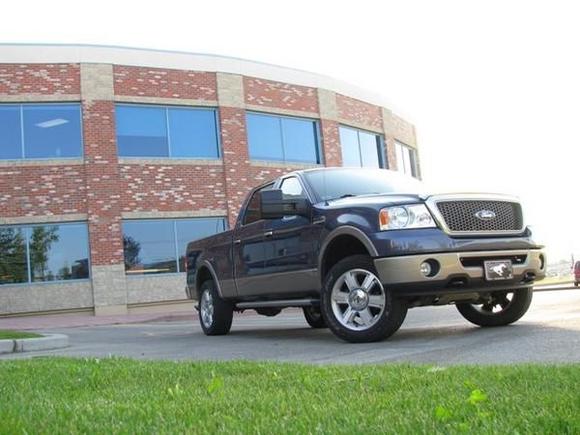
(112, 159)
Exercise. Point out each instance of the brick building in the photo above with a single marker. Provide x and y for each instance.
(111, 159)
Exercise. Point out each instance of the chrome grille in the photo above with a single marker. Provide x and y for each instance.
(460, 216)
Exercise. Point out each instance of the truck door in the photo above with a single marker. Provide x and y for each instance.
(248, 248)
(290, 248)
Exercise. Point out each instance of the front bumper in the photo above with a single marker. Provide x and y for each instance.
(459, 272)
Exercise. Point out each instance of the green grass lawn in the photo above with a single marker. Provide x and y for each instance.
(48, 395)
(6, 334)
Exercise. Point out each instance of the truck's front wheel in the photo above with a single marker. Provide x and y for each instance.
(215, 314)
(355, 304)
(500, 309)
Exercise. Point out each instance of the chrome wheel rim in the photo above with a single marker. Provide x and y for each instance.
(496, 304)
(206, 309)
(358, 299)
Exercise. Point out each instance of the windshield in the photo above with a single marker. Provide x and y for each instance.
(342, 183)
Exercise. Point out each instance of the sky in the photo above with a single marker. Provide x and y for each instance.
(493, 87)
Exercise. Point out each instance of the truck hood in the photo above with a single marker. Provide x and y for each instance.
(378, 200)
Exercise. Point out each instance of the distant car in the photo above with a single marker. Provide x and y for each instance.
(577, 273)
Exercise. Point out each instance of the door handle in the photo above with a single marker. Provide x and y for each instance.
(237, 241)
(268, 234)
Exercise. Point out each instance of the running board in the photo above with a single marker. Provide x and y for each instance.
(285, 303)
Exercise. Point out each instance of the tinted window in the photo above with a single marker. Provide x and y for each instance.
(10, 132)
(193, 133)
(157, 131)
(264, 137)
(370, 150)
(158, 246)
(350, 147)
(361, 148)
(34, 131)
(149, 247)
(141, 131)
(52, 131)
(291, 188)
(300, 140)
(282, 138)
(337, 183)
(38, 253)
(406, 159)
(13, 259)
(58, 252)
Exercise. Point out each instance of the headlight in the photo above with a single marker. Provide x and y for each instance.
(405, 216)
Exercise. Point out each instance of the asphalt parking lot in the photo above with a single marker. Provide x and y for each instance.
(550, 332)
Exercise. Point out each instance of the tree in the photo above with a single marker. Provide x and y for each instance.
(13, 264)
(64, 273)
(41, 241)
(132, 248)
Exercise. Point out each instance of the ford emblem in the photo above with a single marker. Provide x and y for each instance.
(485, 215)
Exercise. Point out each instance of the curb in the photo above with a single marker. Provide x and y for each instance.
(47, 342)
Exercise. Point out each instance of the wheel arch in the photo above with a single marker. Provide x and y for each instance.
(341, 243)
(204, 273)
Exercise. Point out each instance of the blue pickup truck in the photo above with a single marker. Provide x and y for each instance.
(356, 248)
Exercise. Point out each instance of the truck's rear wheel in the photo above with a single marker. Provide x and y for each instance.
(502, 308)
(355, 304)
(314, 317)
(215, 314)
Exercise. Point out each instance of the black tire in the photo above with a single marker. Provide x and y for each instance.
(512, 312)
(384, 323)
(314, 317)
(220, 321)
(576, 284)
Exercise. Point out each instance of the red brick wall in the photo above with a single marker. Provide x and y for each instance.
(105, 189)
(235, 158)
(331, 143)
(164, 83)
(40, 79)
(102, 185)
(391, 153)
(359, 112)
(42, 190)
(267, 93)
(146, 187)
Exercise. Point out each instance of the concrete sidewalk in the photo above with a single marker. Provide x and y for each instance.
(52, 321)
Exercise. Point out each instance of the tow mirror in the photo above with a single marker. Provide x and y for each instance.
(273, 205)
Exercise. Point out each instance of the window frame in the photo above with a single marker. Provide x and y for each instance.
(21, 106)
(412, 159)
(279, 117)
(27, 231)
(174, 240)
(166, 108)
(381, 146)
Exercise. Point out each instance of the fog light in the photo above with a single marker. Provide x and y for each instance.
(425, 269)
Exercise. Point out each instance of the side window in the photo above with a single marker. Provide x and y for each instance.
(291, 188)
(252, 213)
